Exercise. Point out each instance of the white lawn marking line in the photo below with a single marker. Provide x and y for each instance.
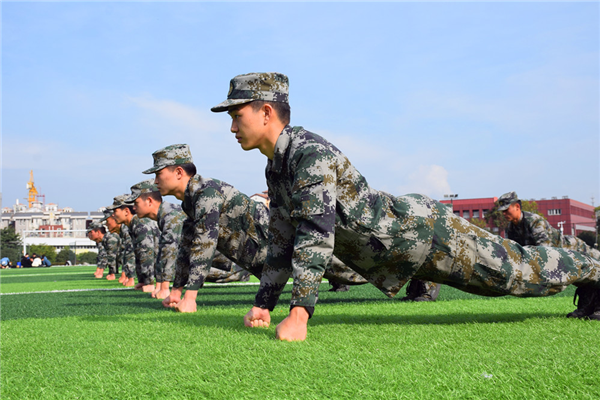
(130, 288)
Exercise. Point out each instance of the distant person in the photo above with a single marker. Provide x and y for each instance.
(113, 249)
(45, 262)
(68, 262)
(530, 229)
(37, 261)
(26, 261)
(4, 262)
(144, 234)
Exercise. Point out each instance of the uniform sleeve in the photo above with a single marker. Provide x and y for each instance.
(182, 263)
(204, 237)
(145, 251)
(278, 266)
(542, 233)
(101, 261)
(112, 250)
(168, 245)
(313, 200)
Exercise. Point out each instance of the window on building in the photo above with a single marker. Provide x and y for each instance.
(485, 213)
(475, 213)
(457, 213)
(555, 211)
(466, 214)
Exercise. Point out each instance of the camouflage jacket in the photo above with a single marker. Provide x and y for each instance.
(101, 261)
(144, 234)
(170, 219)
(111, 243)
(219, 218)
(319, 202)
(534, 230)
(127, 253)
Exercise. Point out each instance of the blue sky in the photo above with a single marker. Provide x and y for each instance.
(473, 98)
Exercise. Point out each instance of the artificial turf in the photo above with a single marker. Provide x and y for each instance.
(123, 344)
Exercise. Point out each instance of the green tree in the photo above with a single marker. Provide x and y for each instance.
(11, 245)
(587, 237)
(87, 257)
(480, 223)
(64, 255)
(41, 249)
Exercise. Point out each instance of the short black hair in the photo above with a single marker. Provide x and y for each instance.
(189, 168)
(154, 195)
(283, 110)
(131, 210)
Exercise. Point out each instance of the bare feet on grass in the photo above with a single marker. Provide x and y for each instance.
(188, 304)
(294, 326)
(173, 298)
(147, 288)
(130, 282)
(122, 278)
(110, 277)
(164, 290)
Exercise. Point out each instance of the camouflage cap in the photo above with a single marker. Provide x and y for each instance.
(147, 186)
(506, 200)
(175, 154)
(94, 225)
(107, 214)
(267, 86)
(118, 201)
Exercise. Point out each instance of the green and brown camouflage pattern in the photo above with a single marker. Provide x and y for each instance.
(320, 202)
(265, 86)
(144, 235)
(111, 243)
(170, 218)
(535, 230)
(147, 186)
(127, 252)
(175, 154)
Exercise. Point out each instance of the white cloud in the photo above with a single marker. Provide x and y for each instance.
(430, 180)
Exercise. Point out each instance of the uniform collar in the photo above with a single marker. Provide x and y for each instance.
(283, 142)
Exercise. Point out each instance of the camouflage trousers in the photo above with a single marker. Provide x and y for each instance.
(338, 272)
(424, 289)
(576, 244)
(476, 261)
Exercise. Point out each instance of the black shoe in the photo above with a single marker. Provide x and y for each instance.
(337, 287)
(588, 303)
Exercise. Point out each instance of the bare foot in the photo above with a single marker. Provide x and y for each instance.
(162, 294)
(147, 288)
(138, 286)
(122, 278)
(110, 277)
(129, 282)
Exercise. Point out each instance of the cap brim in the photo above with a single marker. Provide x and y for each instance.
(131, 199)
(504, 207)
(224, 106)
(152, 170)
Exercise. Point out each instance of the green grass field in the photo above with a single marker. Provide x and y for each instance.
(122, 344)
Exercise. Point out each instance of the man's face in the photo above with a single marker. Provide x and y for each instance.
(248, 126)
(120, 215)
(94, 235)
(112, 225)
(513, 213)
(142, 207)
(166, 180)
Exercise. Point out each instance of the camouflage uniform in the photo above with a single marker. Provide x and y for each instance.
(222, 219)
(319, 202)
(535, 230)
(101, 261)
(111, 244)
(127, 252)
(170, 219)
(144, 235)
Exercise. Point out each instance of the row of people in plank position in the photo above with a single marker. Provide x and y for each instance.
(324, 220)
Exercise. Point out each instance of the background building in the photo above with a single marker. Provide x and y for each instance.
(574, 216)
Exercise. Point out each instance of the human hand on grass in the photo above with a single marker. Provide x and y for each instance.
(294, 326)
(257, 317)
(173, 298)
